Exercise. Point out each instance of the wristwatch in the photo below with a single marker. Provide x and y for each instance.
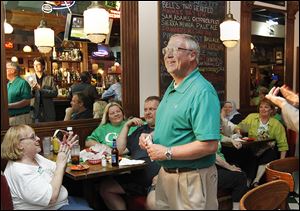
(169, 153)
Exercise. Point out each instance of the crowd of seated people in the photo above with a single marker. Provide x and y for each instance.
(231, 175)
(263, 126)
(113, 189)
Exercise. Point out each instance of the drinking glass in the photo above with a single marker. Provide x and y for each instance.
(46, 145)
(75, 154)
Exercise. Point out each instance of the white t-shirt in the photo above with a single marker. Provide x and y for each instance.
(30, 185)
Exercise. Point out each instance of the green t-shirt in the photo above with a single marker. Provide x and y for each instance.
(105, 134)
(18, 90)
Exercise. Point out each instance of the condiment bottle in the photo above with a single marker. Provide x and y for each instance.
(115, 154)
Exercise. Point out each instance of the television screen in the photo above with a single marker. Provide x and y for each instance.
(74, 28)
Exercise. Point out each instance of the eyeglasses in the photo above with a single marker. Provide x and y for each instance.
(32, 137)
(173, 50)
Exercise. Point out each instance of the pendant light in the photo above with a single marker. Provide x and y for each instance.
(44, 37)
(8, 29)
(229, 30)
(27, 49)
(96, 22)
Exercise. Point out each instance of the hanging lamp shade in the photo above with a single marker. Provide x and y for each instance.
(96, 22)
(27, 48)
(44, 37)
(8, 29)
(229, 30)
(14, 59)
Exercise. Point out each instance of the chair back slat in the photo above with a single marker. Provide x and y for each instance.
(283, 169)
(269, 196)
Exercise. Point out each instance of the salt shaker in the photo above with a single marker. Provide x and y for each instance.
(103, 160)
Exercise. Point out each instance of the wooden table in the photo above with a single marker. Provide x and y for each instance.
(96, 171)
(93, 175)
(246, 144)
(244, 156)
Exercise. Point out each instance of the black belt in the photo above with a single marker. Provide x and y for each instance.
(178, 170)
(18, 114)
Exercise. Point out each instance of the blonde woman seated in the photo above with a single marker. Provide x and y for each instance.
(35, 182)
(263, 126)
(110, 127)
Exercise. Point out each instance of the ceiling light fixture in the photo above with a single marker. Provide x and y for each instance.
(8, 29)
(27, 49)
(44, 37)
(229, 30)
(96, 22)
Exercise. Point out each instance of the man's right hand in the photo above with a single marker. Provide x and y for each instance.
(272, 96)
(290, 96)
(143, 140)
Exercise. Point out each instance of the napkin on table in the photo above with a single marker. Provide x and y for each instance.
(127, 162)
(89, 155)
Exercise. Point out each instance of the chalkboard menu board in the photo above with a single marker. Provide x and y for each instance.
(201, 19)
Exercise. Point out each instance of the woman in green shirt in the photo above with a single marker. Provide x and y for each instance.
(111, 125)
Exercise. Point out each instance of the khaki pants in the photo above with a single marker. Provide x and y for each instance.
(187, 190)
(21, 119)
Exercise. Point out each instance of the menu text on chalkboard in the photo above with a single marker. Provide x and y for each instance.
(202, 20)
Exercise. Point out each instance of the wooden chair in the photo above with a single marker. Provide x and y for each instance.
(283, 169)
(6, 201)
(269, 196)
(136, 202)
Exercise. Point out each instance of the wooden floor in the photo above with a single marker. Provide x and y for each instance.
(294, 201)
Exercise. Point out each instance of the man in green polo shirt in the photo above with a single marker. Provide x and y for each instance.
(187, 132)
(19, 95)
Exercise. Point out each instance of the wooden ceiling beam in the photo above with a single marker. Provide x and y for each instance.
(31, 20)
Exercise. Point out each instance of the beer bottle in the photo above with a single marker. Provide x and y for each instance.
(115, 154)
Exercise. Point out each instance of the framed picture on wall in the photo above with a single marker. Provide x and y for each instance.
(278, 55)
(30, 63)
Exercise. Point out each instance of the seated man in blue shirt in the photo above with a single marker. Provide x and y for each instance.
(137, 182)
(114, 92)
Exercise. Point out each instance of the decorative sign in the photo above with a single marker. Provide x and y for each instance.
(47, 8)
(57, 5)
(114, 13)
(9, 45)
(202, 20)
